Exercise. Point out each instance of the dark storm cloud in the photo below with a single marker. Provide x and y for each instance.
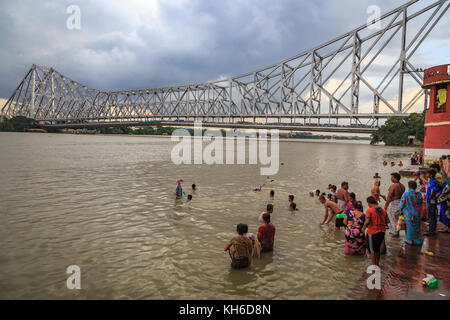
(135, 44)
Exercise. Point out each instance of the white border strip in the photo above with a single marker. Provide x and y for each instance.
(436, 124)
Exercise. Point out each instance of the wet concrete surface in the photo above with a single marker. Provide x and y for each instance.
(402, 271)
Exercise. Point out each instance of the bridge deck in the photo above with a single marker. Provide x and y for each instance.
(188, 124)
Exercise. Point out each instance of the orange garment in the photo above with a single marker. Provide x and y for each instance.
(377, 221)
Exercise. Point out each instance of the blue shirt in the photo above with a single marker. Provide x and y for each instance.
(432, 187)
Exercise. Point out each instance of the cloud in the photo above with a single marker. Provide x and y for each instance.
(135, 44)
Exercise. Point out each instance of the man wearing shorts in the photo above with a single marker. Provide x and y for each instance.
(376, 222)
(396, 191)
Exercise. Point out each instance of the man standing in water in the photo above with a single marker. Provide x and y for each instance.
(395, 193)
(343, 195)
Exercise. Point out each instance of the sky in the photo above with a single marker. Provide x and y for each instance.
(143, 44)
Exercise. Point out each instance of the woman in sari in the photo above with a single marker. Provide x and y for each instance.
(354, 237)
(240, 248)
(411, 208)
(444, 199)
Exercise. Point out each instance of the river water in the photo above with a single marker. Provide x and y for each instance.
(106, 204)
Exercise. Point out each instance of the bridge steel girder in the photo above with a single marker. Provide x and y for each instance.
(322, 83)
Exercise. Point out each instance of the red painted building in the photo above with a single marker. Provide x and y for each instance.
(437, 119)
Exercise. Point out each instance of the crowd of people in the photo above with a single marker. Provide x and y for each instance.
(416, 159)
(426, 198)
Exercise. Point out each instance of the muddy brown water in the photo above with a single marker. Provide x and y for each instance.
(106, 204)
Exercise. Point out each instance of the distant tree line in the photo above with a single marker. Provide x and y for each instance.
(17, 124)
(396, 130)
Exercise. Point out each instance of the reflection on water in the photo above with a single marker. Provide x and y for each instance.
(106, 204)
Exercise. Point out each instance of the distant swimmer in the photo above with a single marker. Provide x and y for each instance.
(271, 194)
(189, 197)
(292, 204)
(400, 164)
(194, 187)
(385, 163)
(392, 164)
(317, 192)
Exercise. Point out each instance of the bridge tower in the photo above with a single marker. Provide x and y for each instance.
(437, 118)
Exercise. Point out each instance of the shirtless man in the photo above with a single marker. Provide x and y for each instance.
(395, 193)
(343, 196)
(329, 206)
(375, 191)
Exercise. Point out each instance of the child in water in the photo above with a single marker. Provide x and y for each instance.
(292, 204)
(189, 197)
(271, 194)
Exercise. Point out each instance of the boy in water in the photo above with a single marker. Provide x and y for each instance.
(269, 210)
(343, 195)
(271, 194)
(375, 191)
(292, 204)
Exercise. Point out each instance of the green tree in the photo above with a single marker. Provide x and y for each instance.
(396, 130)
(18, 123)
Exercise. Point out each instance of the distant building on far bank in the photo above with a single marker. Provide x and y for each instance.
(437, 118)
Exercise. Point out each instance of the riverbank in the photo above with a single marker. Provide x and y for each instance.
(405, 267)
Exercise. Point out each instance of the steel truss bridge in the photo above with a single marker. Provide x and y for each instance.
(330, 83)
